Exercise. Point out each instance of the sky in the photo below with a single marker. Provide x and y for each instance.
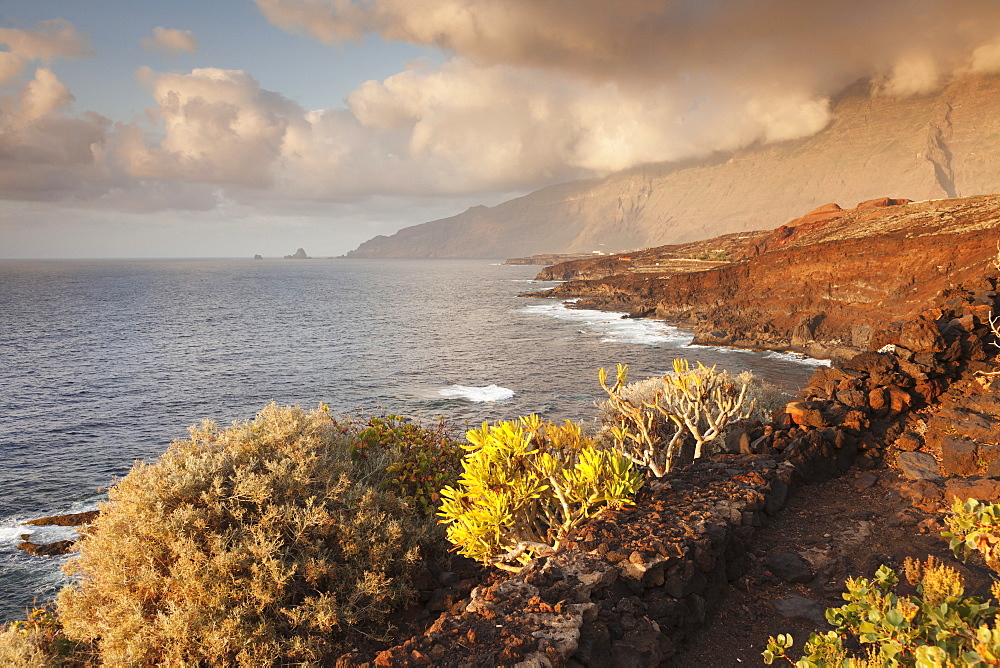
(225, 128)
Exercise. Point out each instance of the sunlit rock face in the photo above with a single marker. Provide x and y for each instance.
(925, 147)
(832, 283)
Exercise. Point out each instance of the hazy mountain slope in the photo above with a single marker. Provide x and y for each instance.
(945, 145)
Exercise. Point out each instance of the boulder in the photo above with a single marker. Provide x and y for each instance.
(918, 466)
(790, 567)
(806, 413)
(878, 400)
(920, 493)
(799, 607)
(963, 489)
(899, 400)
(869, 362)
(921, 335)
(853, 398)
(909, 441)
(958, 456)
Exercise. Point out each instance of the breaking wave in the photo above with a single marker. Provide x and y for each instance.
(614, 327)
(477, 394)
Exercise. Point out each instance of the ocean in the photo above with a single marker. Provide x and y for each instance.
(103, 363)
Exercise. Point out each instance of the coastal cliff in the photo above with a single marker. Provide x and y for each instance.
(834, 282)
(932, 146)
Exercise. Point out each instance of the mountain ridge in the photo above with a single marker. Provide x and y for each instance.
(935, 146)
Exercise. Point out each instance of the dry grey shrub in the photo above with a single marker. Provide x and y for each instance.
(259, 544)
(761, 399)
(19, 649)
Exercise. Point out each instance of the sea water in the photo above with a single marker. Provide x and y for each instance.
(103, 363)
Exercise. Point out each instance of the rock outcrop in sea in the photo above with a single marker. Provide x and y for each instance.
(300, 254)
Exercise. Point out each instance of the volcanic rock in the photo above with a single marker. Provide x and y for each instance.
(868, 279)
(918, 466)
(70, 520)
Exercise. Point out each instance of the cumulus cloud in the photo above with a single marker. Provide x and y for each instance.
(531, 93)
(440, 132)
(220, 127)
(170, 41)
(45, 153)
(49, 40)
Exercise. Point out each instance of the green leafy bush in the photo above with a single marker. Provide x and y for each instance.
(527, 485)
(424, 460)
(650, 421)
(258, 544)
(975, 527)
(940, 626)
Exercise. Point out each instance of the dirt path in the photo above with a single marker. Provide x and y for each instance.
(845, 527)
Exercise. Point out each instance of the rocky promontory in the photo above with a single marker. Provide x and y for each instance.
(832, 283)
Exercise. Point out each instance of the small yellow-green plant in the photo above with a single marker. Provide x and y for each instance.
(263, 543)
(423, 459)
(940, 626)
(975, 527)
(527, 485)
(689, 403)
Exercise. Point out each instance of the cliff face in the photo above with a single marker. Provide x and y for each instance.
(834, 282)
(945, 145)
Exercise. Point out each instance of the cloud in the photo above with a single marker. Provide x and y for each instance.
(220, 127)
(10, 67)
(170, 41)
(532, 93)
(813, 44)
(44, 153)
(50, 40)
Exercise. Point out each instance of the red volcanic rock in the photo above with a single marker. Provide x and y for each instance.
(72, 520)
(830, 284)
(826, 208)
(899, 400)
(880, 202)
(921, 336)
(806, 413)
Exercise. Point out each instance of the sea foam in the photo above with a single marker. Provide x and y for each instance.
(613, 327)
(477, 394)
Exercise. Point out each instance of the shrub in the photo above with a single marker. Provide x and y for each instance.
(975, 527)
(939, 626)
(650, 420)
(258, 544)
(40, 641)
(424, 460)
(527, 485)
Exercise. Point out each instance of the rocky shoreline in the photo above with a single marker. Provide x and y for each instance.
(833, 283)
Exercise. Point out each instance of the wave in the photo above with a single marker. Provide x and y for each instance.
(477, 394)
(796, 358)
(613, 327)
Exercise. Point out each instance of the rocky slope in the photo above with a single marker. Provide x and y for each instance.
(943, 145)
(832, 283)
(637, 586)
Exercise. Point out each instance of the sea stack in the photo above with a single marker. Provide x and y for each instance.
(300, 254)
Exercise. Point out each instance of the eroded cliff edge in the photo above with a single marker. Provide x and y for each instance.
(832, 283)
